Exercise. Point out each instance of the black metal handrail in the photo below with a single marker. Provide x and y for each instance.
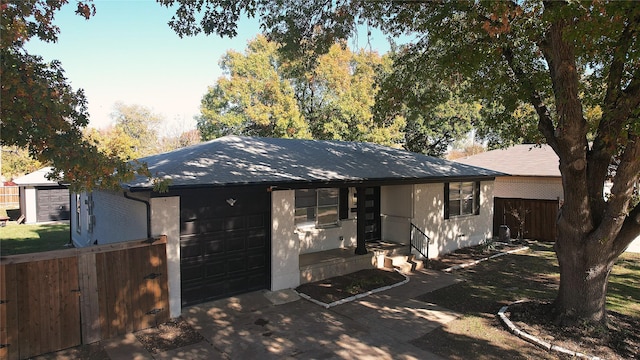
(419, 241)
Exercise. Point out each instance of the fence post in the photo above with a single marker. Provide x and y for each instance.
(89, 304)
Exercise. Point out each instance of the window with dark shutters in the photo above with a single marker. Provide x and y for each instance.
(461, 199)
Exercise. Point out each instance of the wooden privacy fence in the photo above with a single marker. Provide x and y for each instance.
(59, 299)
(9, 196)
(539, 217)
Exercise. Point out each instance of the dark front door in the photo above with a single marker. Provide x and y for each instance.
(373, 222)
(52, 204)
(224, 242)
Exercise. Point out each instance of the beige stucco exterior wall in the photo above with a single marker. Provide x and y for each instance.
(165, 220)
(451, 234)
(285, 244)
(521, 187)
(396, 209)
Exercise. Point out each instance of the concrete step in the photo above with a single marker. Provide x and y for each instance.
(411, 266)
(404, 263)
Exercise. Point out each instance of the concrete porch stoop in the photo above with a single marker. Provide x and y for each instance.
(335, 262)
(406, 264)
(325, 264)
(391, 256)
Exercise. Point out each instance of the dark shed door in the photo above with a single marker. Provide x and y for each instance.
(224, 242)
(52, 204)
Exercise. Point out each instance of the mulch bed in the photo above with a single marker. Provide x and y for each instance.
(619, 339)
(341, 287)
(469, 254)
(171, 335)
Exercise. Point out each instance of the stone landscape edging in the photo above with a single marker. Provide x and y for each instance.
(534, 340)
(354, 297)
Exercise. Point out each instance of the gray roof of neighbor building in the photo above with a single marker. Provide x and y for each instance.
(518, 160)
(236, 160)
(37, 178)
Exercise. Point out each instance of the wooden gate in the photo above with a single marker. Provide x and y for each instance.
(41, 309)
(132, 289)
(59, 299)
(539, 217)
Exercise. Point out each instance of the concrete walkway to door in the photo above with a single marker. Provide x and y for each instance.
(279, 325)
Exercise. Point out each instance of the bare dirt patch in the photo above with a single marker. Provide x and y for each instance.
(170, 335)
(93, 351)
(473, 253)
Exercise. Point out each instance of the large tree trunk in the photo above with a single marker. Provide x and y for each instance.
(590, 233)
(584, 274)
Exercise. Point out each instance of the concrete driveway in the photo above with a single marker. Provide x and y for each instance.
(280, 325)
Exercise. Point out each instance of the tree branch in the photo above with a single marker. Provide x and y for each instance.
(545, 123)
(621, 193)
(619, 105)
(629, 231)
(619, 102)
(616, 71)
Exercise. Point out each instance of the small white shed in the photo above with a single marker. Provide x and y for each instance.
(42, 200)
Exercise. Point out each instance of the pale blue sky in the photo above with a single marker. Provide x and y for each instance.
(128, 53)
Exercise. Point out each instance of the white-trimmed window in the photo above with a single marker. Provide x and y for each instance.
(317, 207)
(461, 199)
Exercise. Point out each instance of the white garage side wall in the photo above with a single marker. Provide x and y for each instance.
(118, 218)
(458, 232)
(396, 209)
(520, 187)
(165, 220)
(285, 245)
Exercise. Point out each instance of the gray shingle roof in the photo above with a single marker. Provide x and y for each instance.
(519, 160)
(235, 160)
(37, 178)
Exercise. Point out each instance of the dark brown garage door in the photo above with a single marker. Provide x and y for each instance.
(52, 204)
(224, 242)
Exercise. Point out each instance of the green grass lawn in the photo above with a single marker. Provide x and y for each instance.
(23, 239)
(492, 284)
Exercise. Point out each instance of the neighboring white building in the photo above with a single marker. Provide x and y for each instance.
(533, 181)
(245, 214)
(531, 171)
(532, 186)
(42, 200)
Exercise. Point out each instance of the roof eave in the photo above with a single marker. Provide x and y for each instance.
(304, 184)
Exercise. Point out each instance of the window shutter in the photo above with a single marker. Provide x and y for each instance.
(476, 198)
(446, 200)
(344, 203)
